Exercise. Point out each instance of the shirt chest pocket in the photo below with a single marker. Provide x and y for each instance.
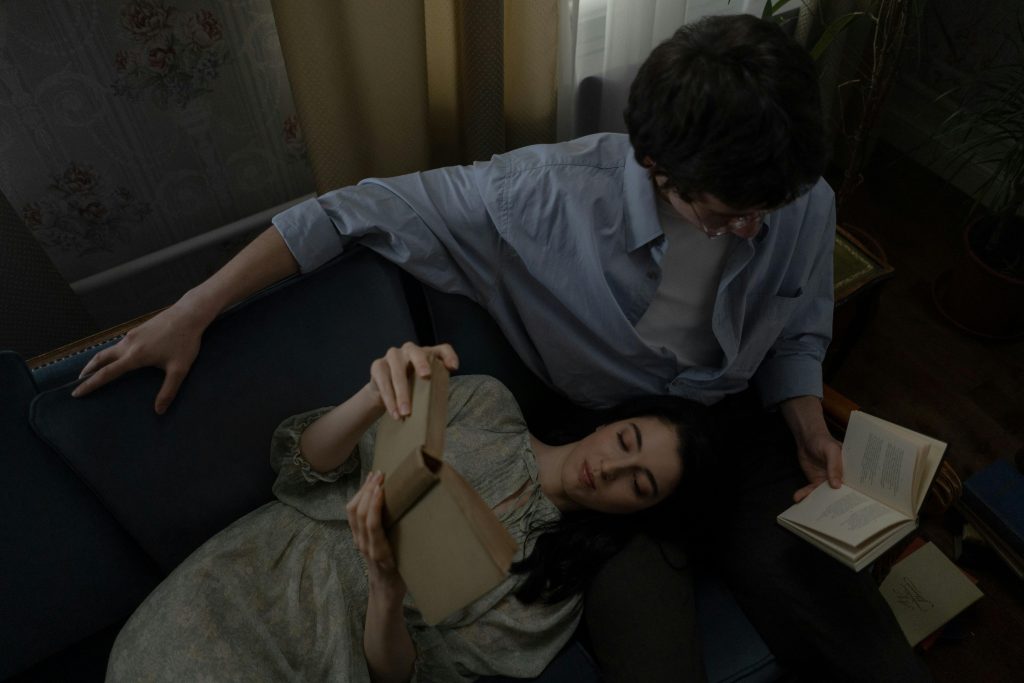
(781, 306)
(764, 329)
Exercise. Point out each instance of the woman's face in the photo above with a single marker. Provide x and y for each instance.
(624, 466)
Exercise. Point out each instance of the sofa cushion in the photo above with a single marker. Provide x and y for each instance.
(69, 570)
(175, 480)
(733, 651)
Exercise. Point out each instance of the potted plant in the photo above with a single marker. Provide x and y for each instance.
(984, 292)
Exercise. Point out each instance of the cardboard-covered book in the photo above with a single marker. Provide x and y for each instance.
(449, 546)
(887, 470)
(925, 589)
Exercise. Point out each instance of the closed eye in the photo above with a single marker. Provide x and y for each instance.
(636, 487)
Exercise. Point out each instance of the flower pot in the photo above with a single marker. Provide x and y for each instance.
(978, 298)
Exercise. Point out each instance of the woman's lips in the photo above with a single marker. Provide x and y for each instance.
(586, 476)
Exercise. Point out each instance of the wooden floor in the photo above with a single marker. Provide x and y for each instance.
(914, 368)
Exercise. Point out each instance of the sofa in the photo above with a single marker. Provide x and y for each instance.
(104, 497)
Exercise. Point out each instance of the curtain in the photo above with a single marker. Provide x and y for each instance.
(384, 87)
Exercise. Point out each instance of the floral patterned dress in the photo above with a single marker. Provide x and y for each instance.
(281, 594)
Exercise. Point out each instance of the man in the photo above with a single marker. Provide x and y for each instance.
(594, 258)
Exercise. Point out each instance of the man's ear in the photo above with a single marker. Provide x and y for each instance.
(648, 162)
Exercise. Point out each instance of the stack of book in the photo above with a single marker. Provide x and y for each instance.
(993, 504)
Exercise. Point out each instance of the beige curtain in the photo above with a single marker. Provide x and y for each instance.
(384, 87)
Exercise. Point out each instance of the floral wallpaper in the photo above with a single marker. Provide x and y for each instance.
(175, 57)
(127, 126)
(81, 213)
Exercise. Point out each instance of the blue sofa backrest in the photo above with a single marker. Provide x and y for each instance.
(174, 480)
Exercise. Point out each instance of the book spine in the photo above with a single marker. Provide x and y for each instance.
(410, 481)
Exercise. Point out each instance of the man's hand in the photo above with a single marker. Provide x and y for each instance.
(821, 458)
(820, 455)
(170, 341)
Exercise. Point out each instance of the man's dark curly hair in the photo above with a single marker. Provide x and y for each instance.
(729, 106)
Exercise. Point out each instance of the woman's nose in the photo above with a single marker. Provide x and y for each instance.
(612, 467)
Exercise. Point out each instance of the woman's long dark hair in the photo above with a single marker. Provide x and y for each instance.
(571, 550)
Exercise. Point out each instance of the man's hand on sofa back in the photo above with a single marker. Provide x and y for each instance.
(170, 340)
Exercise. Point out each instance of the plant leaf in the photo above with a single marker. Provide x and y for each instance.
(833, 30)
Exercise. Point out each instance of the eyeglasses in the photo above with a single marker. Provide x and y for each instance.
(728, 224)
(723, 225)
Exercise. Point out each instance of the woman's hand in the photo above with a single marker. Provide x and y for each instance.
(389, 650)
(365, 512)
(329, 441)
(390, 378)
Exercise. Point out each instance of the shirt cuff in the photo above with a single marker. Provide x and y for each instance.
(785, 377)
(309, 234)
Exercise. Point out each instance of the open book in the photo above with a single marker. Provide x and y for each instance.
(886, 473)
(449, 546)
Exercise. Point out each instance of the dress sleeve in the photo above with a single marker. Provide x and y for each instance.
(319, 495)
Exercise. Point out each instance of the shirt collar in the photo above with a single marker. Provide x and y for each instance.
(642, 224)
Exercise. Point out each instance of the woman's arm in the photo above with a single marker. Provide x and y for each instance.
(389, 650)
(330, 440)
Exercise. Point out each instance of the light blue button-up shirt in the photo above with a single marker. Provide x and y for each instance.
(562, 244)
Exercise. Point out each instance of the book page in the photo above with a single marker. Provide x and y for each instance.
(845, 514)
(854, 557)
(925, 590)
(880, 461)
(928, 461)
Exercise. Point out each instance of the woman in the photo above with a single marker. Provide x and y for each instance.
(305, 588)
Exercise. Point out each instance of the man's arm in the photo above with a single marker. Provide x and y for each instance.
(171, 339)
(790, 375)
(434, 225)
